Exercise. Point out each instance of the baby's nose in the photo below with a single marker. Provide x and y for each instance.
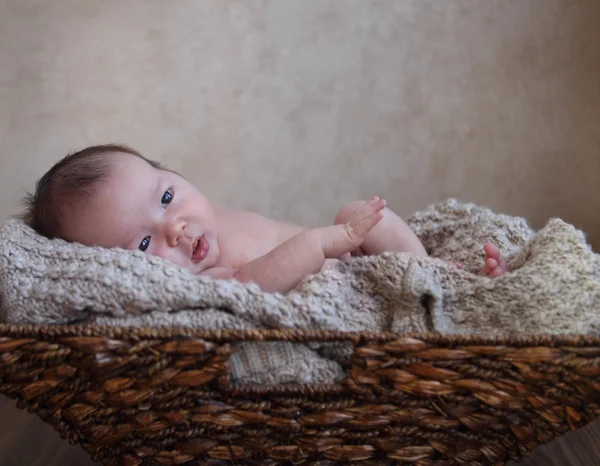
(175, 230)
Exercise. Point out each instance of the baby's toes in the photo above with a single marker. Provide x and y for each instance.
(488, 267)
(497, 272)
(492, 251)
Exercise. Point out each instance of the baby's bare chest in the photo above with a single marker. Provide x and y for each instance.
(250, 237)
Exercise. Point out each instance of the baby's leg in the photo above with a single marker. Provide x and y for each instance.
(391, 234)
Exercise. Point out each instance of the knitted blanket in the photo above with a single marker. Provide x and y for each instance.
(553, 287)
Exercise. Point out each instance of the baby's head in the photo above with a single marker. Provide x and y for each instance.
(112, 196)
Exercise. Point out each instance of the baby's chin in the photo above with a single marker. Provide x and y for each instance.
(208, 263)
(196, 269)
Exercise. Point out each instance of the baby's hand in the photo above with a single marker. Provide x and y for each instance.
(338, 240)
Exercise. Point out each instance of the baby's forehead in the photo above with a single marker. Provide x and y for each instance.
(117, 204)
(129, 167)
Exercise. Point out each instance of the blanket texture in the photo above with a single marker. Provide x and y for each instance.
(553, 287)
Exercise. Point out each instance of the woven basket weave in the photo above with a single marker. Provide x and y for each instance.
(164, 397)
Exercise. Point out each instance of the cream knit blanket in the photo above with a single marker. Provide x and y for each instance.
(554, 287)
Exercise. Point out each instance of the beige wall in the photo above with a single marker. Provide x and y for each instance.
(293, 108)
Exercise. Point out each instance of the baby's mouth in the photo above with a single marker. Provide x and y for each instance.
(200, 249)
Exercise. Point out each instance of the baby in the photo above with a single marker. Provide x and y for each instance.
(112, 196)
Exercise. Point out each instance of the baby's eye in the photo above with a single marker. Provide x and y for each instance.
(167, 198)
(144, 244)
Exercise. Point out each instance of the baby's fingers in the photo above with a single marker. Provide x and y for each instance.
(340, 239)
(365, 218)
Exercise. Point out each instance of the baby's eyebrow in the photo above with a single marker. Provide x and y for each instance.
(157, 192)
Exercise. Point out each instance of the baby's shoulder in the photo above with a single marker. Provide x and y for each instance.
(245, 236)
(251, 224)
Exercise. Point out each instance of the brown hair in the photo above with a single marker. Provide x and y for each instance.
(69, 181)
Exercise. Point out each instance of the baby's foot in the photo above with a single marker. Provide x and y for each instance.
(494, 263)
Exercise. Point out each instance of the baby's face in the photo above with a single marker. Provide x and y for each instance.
(140, 207)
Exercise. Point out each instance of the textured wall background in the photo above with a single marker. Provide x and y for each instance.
(293, 108)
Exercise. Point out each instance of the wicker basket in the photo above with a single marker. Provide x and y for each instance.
(163, 396)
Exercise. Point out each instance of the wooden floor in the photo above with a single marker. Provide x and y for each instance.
(26, 441)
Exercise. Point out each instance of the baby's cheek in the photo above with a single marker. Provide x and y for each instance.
(170, 255)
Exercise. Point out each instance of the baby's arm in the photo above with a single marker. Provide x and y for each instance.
(392, 234)
(285, 266)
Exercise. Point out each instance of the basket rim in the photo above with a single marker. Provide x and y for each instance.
(52, 332)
